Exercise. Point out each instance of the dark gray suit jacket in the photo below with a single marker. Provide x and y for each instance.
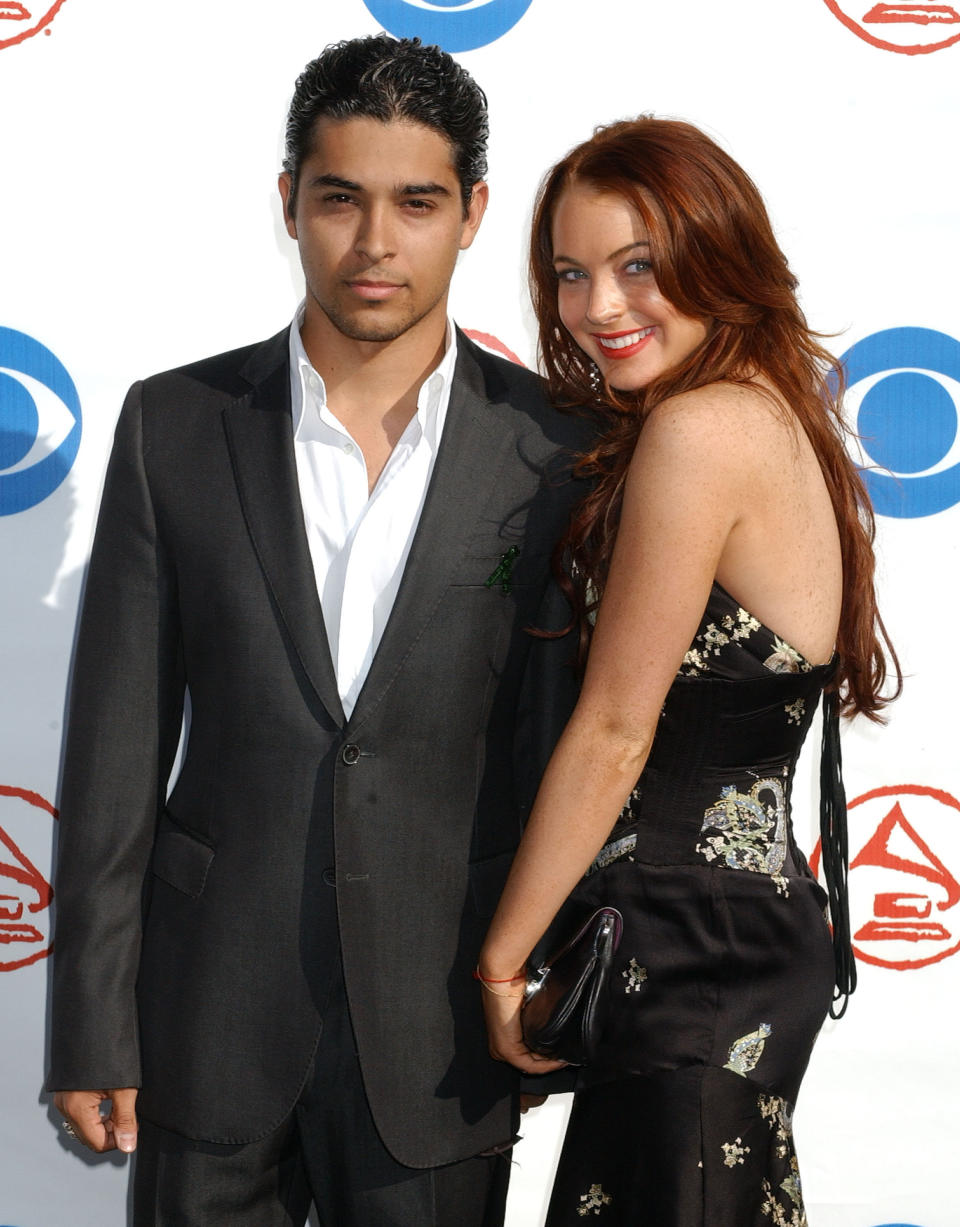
(197, 939)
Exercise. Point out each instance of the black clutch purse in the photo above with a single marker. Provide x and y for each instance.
(566, 999)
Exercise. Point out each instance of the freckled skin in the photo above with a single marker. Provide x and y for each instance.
(606, 286)
(724, 485)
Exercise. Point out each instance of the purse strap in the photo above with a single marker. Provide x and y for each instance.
(834, 853)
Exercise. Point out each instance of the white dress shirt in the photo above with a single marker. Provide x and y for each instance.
(359, 541)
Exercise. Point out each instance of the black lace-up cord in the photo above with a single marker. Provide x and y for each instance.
(834, 853)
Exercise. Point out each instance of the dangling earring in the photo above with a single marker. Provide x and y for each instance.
(595, 380)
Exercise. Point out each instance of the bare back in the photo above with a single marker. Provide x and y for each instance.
(782, 559)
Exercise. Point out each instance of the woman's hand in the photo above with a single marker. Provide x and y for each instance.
(502, 1013)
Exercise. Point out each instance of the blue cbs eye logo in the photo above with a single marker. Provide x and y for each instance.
(455, 25)
(907, 380)
(40, 422)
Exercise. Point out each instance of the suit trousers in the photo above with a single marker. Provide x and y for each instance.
(327, 1153)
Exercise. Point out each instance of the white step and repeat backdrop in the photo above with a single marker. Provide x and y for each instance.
(140, 228)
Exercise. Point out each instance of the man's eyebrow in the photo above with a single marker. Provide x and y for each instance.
(423, 189)
(403, 189)
(346, 185)
(621, 251)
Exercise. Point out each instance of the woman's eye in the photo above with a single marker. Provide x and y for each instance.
(639, 266)
(570, 274)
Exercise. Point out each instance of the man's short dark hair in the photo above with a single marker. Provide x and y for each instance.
(389, 79)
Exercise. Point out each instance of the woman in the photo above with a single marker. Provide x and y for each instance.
(725, 551)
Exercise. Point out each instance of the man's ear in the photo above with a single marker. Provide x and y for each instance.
(285, 184)
(475, 211)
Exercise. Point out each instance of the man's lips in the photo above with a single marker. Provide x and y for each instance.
(622, 344)
(374, 290)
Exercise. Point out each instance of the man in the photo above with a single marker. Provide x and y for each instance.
(333, 543)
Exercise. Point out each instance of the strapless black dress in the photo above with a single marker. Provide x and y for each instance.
(726, 969)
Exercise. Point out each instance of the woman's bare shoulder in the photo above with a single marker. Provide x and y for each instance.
(724, 401)
(723, 418)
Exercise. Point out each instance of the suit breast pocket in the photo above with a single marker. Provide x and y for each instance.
(180, 859)
(501, 567)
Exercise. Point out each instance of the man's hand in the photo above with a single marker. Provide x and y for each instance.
(82, 1112)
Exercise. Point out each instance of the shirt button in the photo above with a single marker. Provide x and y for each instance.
(350, 754)
(348, 449)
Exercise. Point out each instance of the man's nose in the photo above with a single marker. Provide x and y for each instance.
(374, 238)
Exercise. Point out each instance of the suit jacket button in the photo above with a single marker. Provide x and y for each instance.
(350, 754)
(328, 877)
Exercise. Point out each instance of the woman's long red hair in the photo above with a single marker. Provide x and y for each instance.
(714, 255)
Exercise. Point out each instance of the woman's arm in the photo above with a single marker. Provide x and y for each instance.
(684, 495)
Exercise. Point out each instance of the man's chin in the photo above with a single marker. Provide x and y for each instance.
(384, 333)
(371, 326)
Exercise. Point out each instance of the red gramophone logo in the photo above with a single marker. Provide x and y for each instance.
(494, 344)
(911, 29)
(904, 869)
(20, 21)
(25, 894)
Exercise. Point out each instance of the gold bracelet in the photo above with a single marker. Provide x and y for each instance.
(477, 975)
(514, 996)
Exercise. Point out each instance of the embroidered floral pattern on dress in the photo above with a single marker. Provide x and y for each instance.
(618, 849)
(776, 1112)
(752, 833)
(747, 1050)
(591, 596)
(713, 638)
(626, 812)
(733, 1152)
(795, 711)
(785, 1211)
(785, 659)
(593, 1201)
(635, 976)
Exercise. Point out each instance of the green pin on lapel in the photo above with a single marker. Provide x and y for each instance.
(502, 571)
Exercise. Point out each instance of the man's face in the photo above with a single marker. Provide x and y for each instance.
(379, 222)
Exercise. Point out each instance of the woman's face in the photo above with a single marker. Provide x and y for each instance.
(607, 295)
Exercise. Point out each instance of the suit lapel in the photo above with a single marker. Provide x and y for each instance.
(260, 438)
(472, 449)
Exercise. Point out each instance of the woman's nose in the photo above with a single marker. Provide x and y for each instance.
(605, 302)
